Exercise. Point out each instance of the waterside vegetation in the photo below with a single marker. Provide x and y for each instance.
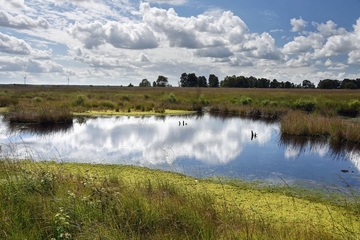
(300, 110)
(51, 200)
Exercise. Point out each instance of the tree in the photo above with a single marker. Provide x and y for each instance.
(287, 84)
(154, 84)
(192, 80)
(184, 80)
(307, 84)
(202, 82)
(329, 84)
(145, 83)
(348, 84)
(213, 81)
(161, 81)
(263, 83)
(274, 84)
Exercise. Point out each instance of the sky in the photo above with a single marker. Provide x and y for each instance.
(118, 42)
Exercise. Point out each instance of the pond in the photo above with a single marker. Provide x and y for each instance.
(196, 145)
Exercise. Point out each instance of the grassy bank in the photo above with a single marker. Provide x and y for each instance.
(81, 201)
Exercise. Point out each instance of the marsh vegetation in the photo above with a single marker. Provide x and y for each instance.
(80, 201)
(52, 104)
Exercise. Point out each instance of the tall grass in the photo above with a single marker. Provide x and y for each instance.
(40, 115)
(338, 129)
(73, 201)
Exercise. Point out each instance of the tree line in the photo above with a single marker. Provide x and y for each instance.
(191, 80)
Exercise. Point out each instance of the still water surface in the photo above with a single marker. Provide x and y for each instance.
(199, 146)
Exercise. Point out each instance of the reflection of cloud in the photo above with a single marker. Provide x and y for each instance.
(294, 149)
(147, 140)
(292, 152)
(354, 158)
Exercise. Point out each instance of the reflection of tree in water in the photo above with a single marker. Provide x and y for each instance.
(338, 151)
(40, 129)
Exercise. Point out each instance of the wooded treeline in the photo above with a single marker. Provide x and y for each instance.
(191, 80)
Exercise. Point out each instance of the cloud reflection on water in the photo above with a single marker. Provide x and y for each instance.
(223, 144)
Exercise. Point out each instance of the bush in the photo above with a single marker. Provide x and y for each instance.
(245, 100)
(307, 105)
(203, 100)
(354, 104)
(80, 100)
(170, 98)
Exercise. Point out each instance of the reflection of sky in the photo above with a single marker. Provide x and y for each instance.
(220, 146)
(148, 140)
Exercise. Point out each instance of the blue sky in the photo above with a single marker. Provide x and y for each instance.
(118, 42)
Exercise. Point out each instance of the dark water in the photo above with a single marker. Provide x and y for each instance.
(199, 146)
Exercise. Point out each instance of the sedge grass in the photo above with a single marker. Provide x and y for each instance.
(303, 124)
(82, 201)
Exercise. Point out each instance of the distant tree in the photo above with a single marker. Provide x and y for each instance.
(252, 81)
(348, 84)
(307, 84)
(329, 84)
(274, 84)
(154, 84)
(213, 81)
(287, 84)
(162, 81)
(192, 80)
(202, 82)
(228, 82)
(145, 83)
(184, 80)
(130, 85)
(263, 83)
(242, 82)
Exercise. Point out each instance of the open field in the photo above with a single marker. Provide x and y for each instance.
(84, 201)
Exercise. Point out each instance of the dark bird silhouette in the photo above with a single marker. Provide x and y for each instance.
(179, 123)
(253, 135)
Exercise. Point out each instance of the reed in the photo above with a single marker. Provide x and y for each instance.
(303, 124)
(39, 115)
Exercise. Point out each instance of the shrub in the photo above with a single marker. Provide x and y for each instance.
(170, 98)
(354, 104)
(245, 100)
(349, 109)
(80, 100)
(307, 105)
(203, 100)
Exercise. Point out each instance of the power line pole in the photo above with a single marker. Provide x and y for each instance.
(25, 80)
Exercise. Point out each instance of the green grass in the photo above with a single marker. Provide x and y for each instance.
(82, 201)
